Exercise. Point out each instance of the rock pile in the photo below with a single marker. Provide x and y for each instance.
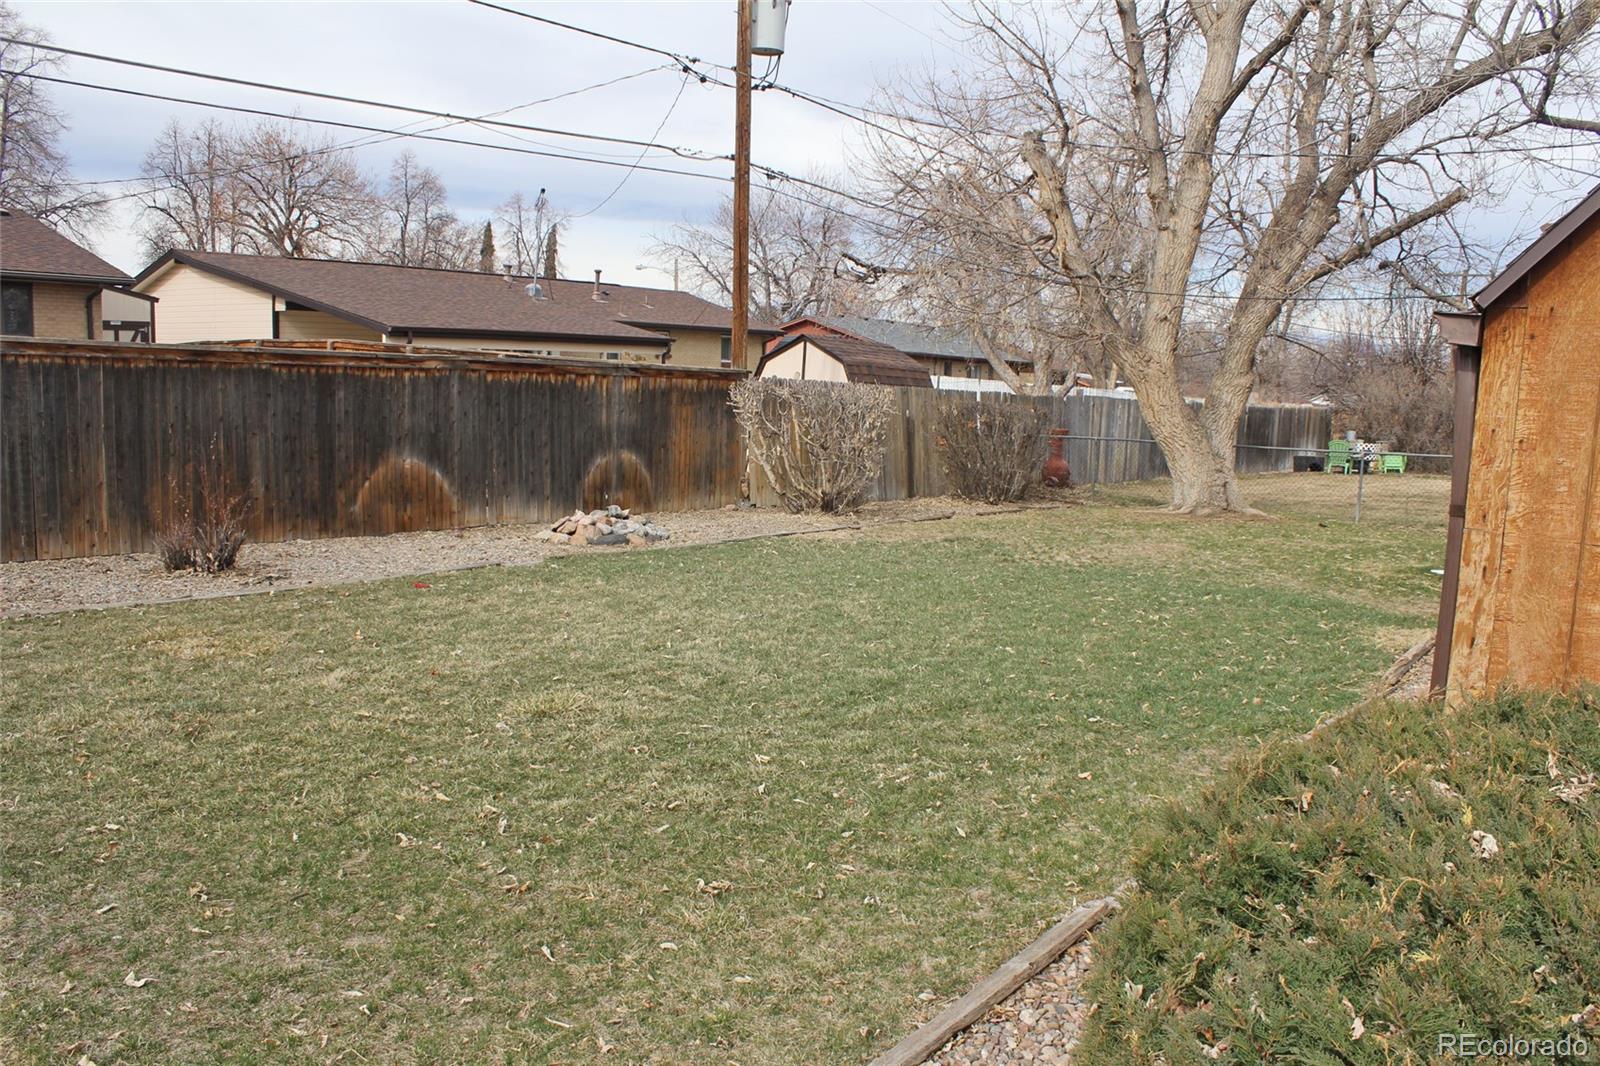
(612, 526)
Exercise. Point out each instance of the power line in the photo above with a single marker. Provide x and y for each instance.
(686, 59)
(686, 153)
(368, 129)
(392, 134)
(845, 109)
(682, 84)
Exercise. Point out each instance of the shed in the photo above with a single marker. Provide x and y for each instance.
(816, 357)
(1521, 600)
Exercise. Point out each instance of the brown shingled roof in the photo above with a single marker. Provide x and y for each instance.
(865, 362)
(396, 299)
(30, 249)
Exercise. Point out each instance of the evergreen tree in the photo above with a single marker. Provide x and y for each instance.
(486, 250)
(551, 266)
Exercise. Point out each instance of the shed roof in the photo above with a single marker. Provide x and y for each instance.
(865, 362)
(1534, 254)
(32, 250)
(398, 299)
(910, 337)
(1465, 327)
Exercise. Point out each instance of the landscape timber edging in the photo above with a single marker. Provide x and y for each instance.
(1012, 975)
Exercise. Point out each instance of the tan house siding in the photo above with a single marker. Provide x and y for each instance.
(318, 325)
(703, 347)
(806, 362)
(60, 311)
(196, 306)
(629, 353)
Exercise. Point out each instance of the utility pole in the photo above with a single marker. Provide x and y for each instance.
(741, 189)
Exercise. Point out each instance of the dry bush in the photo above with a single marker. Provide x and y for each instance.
(819, 443)
(995, 448)
(175, 546)
(206, 530)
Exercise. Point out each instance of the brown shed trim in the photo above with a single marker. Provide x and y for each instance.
(1535, 253)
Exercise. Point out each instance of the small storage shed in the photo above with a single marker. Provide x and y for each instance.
(1521, 599)
(817, 357)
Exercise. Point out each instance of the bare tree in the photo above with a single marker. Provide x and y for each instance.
(34, 176)
(1173, 165)
(299, 197)
(419, 229)
(798, 263)
(527, 229)
(193, 198)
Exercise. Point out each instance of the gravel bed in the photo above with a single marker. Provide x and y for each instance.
(1041, 1022)
(50, 586)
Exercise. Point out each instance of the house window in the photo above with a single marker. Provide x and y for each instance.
(727, 350)
(974, 370)
(16, 308)
(613, 356)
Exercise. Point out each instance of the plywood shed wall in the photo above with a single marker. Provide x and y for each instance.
(1528, 603)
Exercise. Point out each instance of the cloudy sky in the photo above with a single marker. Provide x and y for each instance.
(470, 60)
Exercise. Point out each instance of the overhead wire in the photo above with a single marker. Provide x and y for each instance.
(687, 153)
(395, 133)
(682, 84)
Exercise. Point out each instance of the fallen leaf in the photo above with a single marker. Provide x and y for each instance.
(1087, 775)
(136, 982)
(1484, 845)
(667, 945)
(107, 909)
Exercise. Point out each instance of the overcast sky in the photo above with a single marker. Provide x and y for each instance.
(465, 59)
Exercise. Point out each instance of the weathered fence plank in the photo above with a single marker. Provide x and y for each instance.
(102, 443)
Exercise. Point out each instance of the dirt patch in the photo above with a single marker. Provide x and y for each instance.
(51, 586)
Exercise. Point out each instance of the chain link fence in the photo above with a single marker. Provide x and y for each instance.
(1357, 484)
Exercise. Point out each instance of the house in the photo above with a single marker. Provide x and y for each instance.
(836, 357)
(1521, 598)
(222, 296)
(943, 353)
(52, 287)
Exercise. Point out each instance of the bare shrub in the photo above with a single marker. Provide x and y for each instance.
(175, 546)
(203, 530)
(994, 449)
(819, 443)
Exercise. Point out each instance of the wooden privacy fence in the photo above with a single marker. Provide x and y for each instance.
(105, 442)
(1108, 440)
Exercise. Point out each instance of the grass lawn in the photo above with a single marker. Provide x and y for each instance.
(741, 803)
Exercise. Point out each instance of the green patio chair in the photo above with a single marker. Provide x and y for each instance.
(1339, 457)
(1391, 463)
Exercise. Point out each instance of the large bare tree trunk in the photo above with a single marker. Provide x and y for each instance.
(1205, 165)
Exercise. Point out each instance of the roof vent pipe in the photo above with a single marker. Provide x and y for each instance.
(597, 295)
